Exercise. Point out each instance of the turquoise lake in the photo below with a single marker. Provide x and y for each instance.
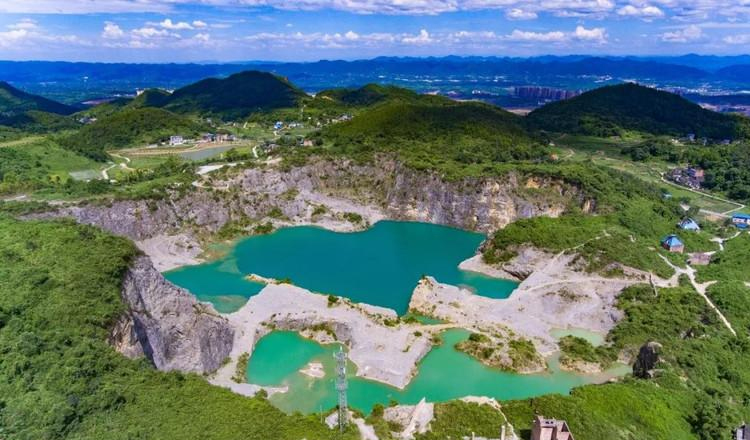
(379, 266)
(444, 374)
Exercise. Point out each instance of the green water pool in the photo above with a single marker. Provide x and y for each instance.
(595, 339)
(379, 266)
(444, 374)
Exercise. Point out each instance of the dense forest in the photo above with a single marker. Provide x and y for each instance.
(130, 127)
(236, 96)
(426, 135)
(59, 378)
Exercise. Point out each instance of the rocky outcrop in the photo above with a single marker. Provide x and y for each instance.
(391, 189)
(647, 361)
(413, 419)
(167, 325)
(381, 352)
(482, 204)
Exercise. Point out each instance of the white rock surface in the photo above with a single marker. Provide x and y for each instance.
(555, 295)
(388, 354)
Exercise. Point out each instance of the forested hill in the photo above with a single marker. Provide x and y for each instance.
(129, 127)
(236, 96)
(608, 111)
(424, 132)
(372, 94)
(14, 101)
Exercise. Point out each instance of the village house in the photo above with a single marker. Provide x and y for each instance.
(225, 137)
(278, 125)
(673, 244)
(176, 140)
(691, 177)
(699, 259)
(343, 118)
(550, 429)
(741, 221)
(689, 224)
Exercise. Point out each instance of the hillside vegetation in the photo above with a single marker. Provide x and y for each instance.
(128, 128)
(32, 113)
(608, 111)
(631, 219)
(372, 94)
(426, 135)
(59, 378)
(14, 101)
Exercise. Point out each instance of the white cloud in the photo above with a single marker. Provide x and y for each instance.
(422, 38)
(405, 7)
(112, 31)
(737, 39)
(12, 36)
(84, 6)
(679, 10)
(199, 24)
(26, 33)
(597, 35)
(517, 35)
(520, 14)
(320, 40)
(646, 11)
(476, 37)
(150, 32)
(181, 25)
(454, 41)
(685, 35)
(24, 24)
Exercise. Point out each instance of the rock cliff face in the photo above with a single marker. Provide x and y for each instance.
(647, 361)
(485, 204)
(396, 191)
(167, 325)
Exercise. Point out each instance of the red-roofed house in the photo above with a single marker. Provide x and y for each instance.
(550, 429)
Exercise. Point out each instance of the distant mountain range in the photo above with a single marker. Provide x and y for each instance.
(72, 82)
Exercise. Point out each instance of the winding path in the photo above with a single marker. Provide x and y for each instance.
(701, 289)
(105, 175)
(710, 196)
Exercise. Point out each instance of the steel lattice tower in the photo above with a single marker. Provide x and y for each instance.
(341, 386)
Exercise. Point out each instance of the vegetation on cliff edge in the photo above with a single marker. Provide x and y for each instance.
(59, 297)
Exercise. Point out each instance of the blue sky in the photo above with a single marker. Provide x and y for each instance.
(304, 30)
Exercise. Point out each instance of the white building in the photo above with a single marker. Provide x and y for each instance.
(176, 140)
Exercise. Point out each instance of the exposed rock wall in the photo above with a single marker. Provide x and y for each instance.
(648, 359)
(398, 192)
(167, 325)
(483, 204)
